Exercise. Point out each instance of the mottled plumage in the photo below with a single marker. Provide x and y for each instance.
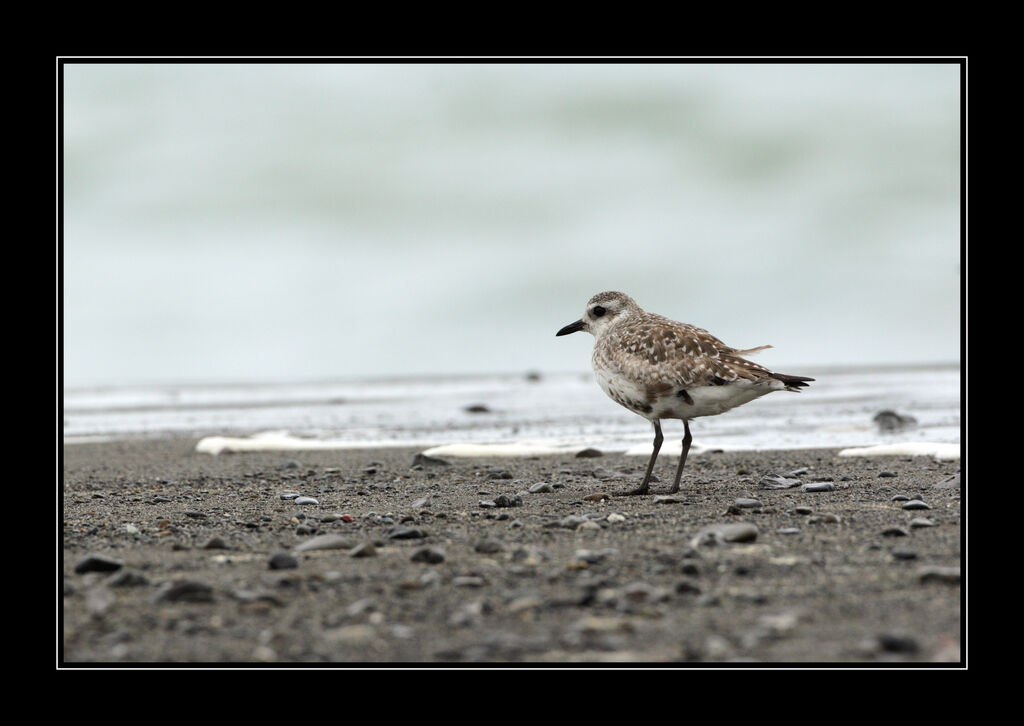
(660, 368)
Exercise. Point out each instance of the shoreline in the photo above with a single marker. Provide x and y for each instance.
(426, 567)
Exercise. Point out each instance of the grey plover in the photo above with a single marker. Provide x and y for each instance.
(661, 369)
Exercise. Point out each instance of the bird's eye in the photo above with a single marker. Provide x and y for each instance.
(597, 311)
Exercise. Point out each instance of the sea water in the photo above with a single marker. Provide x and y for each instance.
(536, 412)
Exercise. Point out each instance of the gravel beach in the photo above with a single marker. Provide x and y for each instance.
(380, 556)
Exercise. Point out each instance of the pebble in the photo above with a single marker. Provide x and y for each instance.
(289, 495)
(886, 474)
(325, 518)
(571, 521)
(282, 560)
(364, 549)
(468, 581)
(424, 460)
(950, 482)
(596, 497)
(788, 530)
(588, 525)
(593, 557)
(185, 590)
(687, 587)
(477, 408)
(421, 502)
(97, 563)
(326, 542)
(939, 574)
(916, 504)
(819, 486)
(901, 498)
(503, 500)
(430, 555)
(803, 510)
(500, 474)
(488, 546)
(589, 454)
(305, 500)
(405, 533)
(541, 487)
(734, 532)
(826, 518)
(895, 532)
(667, 499)
(615, 517)
(289, 464)
(917, 522)
(897, 643)
(131, 529)
(904, 554)
(127, 578)
(888, 420)
(745, 503)
(215, 543)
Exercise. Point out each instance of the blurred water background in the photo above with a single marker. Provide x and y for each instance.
(238, 234)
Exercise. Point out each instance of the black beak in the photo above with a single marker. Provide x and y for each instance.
(570, 328)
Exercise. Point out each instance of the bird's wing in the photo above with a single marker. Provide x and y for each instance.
(661, 354)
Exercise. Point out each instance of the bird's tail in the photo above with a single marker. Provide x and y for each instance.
(793, 383)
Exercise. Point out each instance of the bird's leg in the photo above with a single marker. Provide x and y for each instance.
(682, 459)
(645, 484)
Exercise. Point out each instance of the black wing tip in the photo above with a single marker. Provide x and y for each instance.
(793, 383)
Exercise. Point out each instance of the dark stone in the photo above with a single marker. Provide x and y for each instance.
(893, 643)
(424, 460)
(429, 555)
(97, 563)
(488, 546)
(215, 543)
(477, 408)
(400, 532)
(282, 560)
(503, 500)
(891, 421)
(589, 454)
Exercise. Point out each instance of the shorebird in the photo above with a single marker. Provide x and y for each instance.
(662, 369)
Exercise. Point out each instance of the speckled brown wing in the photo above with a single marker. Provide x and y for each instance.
(661, 355)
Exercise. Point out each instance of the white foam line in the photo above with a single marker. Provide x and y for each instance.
(674, 448)
(521, 448)
(282, 441)
(943, 452)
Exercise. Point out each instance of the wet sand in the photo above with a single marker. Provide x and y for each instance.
(424, 570)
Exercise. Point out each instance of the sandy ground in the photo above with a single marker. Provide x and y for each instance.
(423, 569)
